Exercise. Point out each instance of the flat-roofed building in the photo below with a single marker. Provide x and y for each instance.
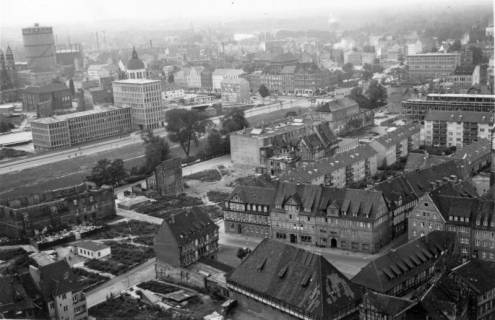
(72, 129)
(396, 144)
(235, 91)
(416, 109)
(449, 129)
(427, 66)
(144, 98)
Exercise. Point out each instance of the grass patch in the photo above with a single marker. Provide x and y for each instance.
(89, 280)
(124, 258)
(164, 203)
(217, 196)
(12, 153)
(123, 229)
(205, 176)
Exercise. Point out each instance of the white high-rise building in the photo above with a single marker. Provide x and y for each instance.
(145, 99)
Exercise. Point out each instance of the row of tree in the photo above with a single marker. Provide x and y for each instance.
(184, 127)
(374, 97)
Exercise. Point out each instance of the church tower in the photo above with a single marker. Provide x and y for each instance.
(2, 60)
(9, 59)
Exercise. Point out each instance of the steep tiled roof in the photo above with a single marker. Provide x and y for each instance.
(414, 184)
(57, 278)
(304, 281)
(254, 194)
(460, 116)
(306, 173)
(404, 262)
(480, 212)
(479, 274)
(389, 305)
(419, 161)
(314, 200)
(474, 151)
(189, 225)
(325, 134)
(442, 298)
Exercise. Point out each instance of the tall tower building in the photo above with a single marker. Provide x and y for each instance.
(2, 59)
(492, 168)
(144, 96)
(9, 59)
(39, 47)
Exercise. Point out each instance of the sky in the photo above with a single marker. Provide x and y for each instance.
(47, 12)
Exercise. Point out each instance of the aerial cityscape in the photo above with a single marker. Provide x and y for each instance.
(247, 160)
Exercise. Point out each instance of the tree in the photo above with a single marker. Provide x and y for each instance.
(71, 87)
(348, 70)
(215, 144)
(358, 96)
(377, 94)
(291, 114)
(234, 120)
(5, 125)
(107, 172)
(367, 71)
(156, 149)
(456, 46)
(243, 252)
(170, 78)
(263, 91)
(185, 126)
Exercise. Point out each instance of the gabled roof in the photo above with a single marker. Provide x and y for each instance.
(472, 152)
(404, 262)
(254, 194)
(57, 278)
(414, 184)
(307, 173)
(294, 277)
(312, 142)
(315, 200)
(420, 161)
(480, 212)
(389, 305)
(403, 132)
(480, 274)
(188, 225)
(443, 298)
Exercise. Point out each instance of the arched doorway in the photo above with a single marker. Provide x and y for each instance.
(333, 243)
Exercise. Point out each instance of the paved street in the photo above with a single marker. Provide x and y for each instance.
(130, 214)
(74, 153)
(141, 273)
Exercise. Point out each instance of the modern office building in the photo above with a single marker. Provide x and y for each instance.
(416, 109)
(144, 98)
(428, 66)
(58, 132)
(449, 129)
(39, 48)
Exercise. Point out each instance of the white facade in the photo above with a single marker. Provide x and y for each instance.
(221, 74)
(93, 253)
(145, 99)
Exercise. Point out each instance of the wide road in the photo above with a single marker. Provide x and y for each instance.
(11, 166)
